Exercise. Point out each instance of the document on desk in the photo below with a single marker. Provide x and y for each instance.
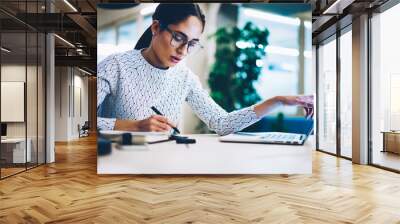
(115, 135)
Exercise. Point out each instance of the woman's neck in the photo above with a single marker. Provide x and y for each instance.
(151, 58)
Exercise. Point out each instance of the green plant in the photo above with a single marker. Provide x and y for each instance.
(238, 63)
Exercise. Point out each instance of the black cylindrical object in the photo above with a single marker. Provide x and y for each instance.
(103, 146)
(126, 139)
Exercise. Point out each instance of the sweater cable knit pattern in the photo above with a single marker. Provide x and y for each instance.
(127, 86)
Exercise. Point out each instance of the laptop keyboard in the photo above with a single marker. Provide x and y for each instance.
(284, 137)
(278, 137)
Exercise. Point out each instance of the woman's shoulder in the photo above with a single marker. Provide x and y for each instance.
(122, 57)
(185, 73)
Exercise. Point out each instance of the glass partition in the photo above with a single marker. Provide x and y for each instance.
(22, 64)
(327, 96)
(385, 89)
(13, 105)
(346, 93)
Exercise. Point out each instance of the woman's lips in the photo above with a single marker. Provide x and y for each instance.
(175, 59)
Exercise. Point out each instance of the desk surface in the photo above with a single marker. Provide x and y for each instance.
(209, 156)
(13, 140)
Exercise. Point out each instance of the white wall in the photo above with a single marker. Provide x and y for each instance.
(67, 114)
(17, 73)
(33, 127)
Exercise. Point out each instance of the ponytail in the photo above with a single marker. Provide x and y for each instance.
(145, 39)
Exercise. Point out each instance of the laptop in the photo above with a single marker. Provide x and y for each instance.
(283, 138)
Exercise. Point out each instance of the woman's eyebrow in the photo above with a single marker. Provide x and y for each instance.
(186, 36)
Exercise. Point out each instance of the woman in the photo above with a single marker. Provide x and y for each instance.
(130, 83)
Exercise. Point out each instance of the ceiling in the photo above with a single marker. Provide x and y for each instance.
(76, 22)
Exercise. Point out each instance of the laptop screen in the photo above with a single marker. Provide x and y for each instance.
(288, 124)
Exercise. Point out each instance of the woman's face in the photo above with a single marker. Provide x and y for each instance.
(167, 48)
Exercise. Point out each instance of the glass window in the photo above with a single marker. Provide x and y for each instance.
(106, 43)
(107, 36)
(127, 34)
(280, 72)
(15, 149)
(120, 37)
(385, 84)
(327, 96)
(346, 94)
(22, 95)
(309, 77)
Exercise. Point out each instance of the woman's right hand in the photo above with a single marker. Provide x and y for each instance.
(153, 123)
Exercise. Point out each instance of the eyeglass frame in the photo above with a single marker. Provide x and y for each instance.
(185, 42)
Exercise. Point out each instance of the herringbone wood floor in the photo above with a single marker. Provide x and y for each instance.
(70, 191)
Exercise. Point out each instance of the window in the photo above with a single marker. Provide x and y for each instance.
(121, 36)
(346, 94)
(327, 96)
(385, 85)
(281, 73)
(127, 34)
(106, 42)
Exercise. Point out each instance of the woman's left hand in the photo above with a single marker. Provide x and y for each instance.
(307, 102)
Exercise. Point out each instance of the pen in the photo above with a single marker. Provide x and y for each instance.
(159, 113)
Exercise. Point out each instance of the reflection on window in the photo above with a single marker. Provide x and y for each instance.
(327, 97)
(346, 94)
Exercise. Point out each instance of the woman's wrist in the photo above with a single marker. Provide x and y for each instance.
(263, 108)
(126, 125)
(278, 99)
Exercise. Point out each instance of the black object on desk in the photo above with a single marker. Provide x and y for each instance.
(159, 113)
(178, 139)
(182, 139)
(103, 146)
(126, 139)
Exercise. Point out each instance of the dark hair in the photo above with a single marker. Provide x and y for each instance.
(169, 13)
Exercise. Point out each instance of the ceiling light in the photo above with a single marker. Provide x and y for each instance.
(148, 9)
(70, 5)
(271, 17)
(5, 50)
(65, 41)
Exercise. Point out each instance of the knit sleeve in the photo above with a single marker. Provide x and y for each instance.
(107, 79)
(216, 118)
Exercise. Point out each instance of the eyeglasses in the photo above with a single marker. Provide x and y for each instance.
(180, 39)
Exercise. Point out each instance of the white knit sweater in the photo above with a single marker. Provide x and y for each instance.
(127, 86)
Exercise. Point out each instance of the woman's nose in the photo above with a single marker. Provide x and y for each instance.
(182, 50)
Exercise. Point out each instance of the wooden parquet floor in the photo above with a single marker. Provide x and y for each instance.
(70, 191)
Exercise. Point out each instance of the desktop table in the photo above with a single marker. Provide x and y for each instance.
(209, 156)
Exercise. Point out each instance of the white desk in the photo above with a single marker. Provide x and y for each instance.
(209, 156)
(18, 149)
